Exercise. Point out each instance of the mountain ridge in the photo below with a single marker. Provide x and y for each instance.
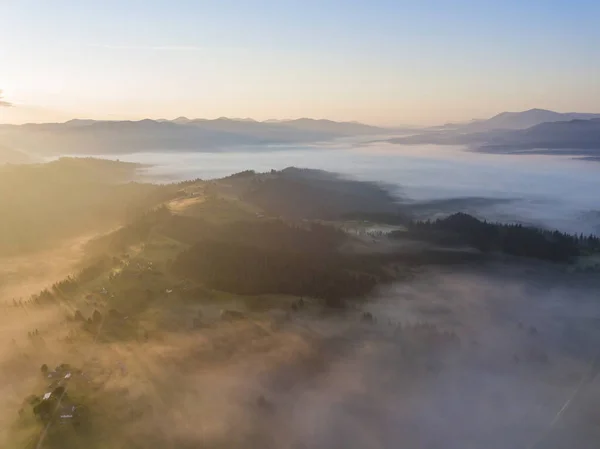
(522, 119)
(579, 136)
(121, 136)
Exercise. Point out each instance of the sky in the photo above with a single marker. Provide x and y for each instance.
(385, 62)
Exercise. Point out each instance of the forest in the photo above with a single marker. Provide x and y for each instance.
(511, 239)
(269, 256)
(247, 270)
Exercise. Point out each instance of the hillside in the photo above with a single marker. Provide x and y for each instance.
(44, 203)
(211, 320)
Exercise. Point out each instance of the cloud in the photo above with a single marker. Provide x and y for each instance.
(166, 48)
(4, 103)
(152, 47)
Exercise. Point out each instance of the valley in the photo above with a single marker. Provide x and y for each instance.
(224, 316)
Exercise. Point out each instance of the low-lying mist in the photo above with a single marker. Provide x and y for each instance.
(548, 191)
(465, 358)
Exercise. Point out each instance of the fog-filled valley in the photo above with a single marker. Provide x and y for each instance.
(299, 224)
(542, 190)
(300, 308)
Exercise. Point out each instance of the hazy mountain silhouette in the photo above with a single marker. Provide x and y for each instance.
(522, 120)
(182, 133)
(527, 119)
(541, 130)
(572, 137)
(339, 128)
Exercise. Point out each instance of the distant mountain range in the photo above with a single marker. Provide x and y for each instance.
(183, 134)
(536, 130)
(520, 120)
(575, 136)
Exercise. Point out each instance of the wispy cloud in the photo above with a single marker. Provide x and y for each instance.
(4, 103)
(152, 47)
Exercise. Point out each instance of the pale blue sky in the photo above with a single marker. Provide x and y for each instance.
(385, 62)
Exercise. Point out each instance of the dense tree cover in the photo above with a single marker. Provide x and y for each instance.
(245, 269)
(312, 194)
(278, 235)
(242, 174)
(266, 233)
(270, 256)
(397, 218)
(513, 239)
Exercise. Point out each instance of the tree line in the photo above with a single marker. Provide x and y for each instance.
(512, 239)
